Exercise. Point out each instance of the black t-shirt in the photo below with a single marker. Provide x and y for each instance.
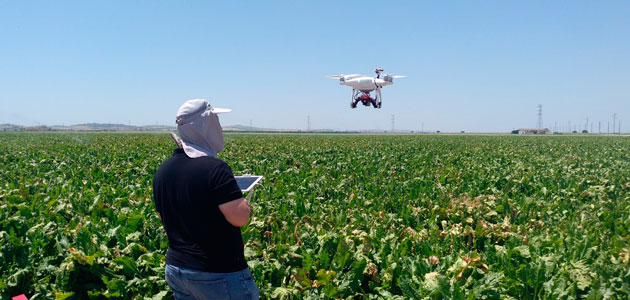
(187, 194)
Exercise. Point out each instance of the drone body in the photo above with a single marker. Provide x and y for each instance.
(362, 86)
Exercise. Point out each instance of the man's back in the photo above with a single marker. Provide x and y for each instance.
(187, 194)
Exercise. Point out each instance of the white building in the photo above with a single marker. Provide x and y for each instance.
(534, 131)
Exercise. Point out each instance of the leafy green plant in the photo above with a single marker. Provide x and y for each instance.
(337, 216)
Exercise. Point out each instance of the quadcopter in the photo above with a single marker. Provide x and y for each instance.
(362, 86)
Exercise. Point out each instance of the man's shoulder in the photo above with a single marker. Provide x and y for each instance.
(218, 166)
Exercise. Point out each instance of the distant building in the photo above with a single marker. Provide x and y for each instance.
(534, 131)
(38, 128)
(11, 127)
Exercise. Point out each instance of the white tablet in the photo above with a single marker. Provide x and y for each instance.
(247, 182)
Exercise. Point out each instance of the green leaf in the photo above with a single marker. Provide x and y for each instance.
(281, 293)
(325, 277)
(431, 281)
(129, 266)
(63, 295)
(301, 278)
(522, 251)
(159, 296)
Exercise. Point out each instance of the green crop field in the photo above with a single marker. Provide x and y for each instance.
(337, 216)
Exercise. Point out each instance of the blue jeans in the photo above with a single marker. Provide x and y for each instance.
(192, 284)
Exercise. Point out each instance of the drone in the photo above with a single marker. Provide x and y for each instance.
(362, 86)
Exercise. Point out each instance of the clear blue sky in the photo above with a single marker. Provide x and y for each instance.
(471, 65)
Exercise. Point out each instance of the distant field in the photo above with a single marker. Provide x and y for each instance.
(338, 216)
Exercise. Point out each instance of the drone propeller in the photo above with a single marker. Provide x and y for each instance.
(342, 76)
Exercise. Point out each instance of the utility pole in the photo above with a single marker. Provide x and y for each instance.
(586, 126)
(422, 127)
(308, 123)
(393, 120)
(540, 122)
(599, 127)
(569, 128)
(608, 130)
(614, 117)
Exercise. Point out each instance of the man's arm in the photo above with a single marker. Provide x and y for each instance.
(236, 211)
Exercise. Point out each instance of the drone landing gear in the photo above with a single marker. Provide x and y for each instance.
(378, 98)
(374, 103)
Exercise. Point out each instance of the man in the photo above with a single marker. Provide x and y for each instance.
(202, 208)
